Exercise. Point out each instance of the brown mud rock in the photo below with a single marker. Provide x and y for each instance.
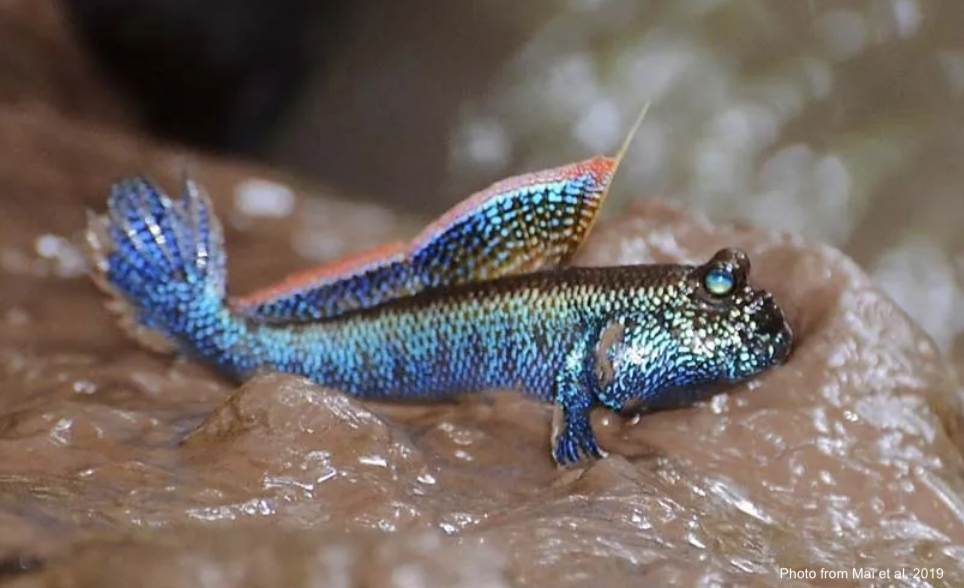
(303, 443)
(260, 555)
(847, 457)
(121, 467)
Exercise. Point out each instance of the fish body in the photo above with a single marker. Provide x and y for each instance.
(638, 338)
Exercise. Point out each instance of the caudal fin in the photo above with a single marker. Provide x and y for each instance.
(162, 262)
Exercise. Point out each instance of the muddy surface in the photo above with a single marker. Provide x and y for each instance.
(124, 468)
(121, 467)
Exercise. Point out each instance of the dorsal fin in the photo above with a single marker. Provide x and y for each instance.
(518, 225)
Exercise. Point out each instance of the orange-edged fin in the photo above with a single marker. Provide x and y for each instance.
(518, 225)
(346, 268)
(617, 160)
(357, 281)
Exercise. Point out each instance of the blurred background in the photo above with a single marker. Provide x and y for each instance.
(843, 120)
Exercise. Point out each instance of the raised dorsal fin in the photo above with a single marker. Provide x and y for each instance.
(521, 224)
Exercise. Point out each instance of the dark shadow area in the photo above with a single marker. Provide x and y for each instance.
(215, 74)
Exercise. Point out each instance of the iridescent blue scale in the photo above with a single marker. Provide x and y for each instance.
(578, 337)
(518, 225)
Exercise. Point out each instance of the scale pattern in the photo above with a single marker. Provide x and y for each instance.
(519, 225)
(636, 337)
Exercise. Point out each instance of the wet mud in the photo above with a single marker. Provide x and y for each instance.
(120, 467)
(847, 457)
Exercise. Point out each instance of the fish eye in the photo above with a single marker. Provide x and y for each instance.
(719, 282)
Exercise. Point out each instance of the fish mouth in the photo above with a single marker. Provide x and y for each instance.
(777, 333)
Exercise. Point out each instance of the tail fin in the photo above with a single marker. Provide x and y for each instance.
(162, 262)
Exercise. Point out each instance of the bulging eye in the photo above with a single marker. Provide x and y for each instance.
(719, 282)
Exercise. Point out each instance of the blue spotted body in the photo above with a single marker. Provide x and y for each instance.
(458, 314)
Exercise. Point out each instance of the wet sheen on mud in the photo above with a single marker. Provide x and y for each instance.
(845, 458)
(124, 468)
